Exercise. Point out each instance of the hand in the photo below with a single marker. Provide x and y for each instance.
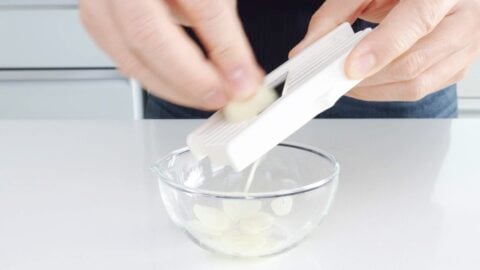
(147, 43)
(420, 46)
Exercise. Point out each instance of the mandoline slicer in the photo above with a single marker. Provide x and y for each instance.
(314, 81)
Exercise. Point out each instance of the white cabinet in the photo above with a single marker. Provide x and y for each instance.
(469, 93)
(36, 3)
(51, 69)
(71, 94)
(46, 38)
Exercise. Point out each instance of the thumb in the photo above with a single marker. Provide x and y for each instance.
(330, 15)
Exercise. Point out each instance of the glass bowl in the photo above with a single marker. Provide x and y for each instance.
(292, 189)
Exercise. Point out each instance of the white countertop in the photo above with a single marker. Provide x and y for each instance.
(79, 195)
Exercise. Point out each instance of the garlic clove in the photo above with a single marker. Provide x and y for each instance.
(238, 111)
(260, 223)
(238, 209)
(282, 206)
(211, 218)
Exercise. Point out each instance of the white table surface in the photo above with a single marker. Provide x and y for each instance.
(79, 195)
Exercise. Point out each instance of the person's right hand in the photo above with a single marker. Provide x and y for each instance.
(147, 44)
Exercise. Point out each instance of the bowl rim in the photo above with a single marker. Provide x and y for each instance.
(254, 195)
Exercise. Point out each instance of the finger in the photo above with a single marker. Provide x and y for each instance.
(330, 15)
(98, 21)
(408, 21)
(220, 30)
(376, 11)
(166, 50)
(427, 52)
(433, 79)
(178, 16)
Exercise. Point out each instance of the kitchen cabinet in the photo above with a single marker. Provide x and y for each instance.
(67, 94)
(36, 3)
(47, 38)
(469, 93)
(51, 69)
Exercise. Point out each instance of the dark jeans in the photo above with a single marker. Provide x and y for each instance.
(272, 33)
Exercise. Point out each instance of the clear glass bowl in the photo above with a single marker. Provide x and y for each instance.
(291, 192)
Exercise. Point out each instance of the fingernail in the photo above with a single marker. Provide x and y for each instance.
(362, 66)
(215, 98)
(243, 82)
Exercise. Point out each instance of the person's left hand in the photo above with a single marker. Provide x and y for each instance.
(419, 47)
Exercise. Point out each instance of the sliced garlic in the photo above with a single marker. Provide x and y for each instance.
(211, 218)
(242, 243)
(238, 209)
(257, 224)
(197, 227)
(237, 111)
(282, 206)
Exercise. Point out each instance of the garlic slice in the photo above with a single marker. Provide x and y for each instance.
(211, 218)
(197, 227)
(282, 206)
(239, 209)
(257, 224)
(238, 111)
(237, 242)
